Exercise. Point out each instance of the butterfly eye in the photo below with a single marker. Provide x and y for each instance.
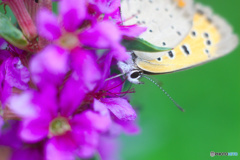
(135, 74)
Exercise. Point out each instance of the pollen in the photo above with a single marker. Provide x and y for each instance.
(69, 41)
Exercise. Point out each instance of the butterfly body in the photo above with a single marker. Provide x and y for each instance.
(208, 37)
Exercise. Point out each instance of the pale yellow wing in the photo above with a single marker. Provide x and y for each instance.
(210, 37)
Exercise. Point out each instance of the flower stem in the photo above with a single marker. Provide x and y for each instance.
(24, 19)
(47, 4)
(32, 8)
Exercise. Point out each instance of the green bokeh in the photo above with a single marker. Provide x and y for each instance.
(210, 95)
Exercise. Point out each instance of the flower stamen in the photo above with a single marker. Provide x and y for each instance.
(59, 126)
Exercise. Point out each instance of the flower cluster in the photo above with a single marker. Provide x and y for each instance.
(56, 99)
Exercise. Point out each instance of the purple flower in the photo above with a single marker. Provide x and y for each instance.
(12, 73)
(107, 101)
(49, 66)
(75, 27)
(108, 148)
(69, 133)
(1, 123)
(19, 150)
(105, 6)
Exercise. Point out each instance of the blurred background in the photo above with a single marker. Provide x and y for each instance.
(210, 95)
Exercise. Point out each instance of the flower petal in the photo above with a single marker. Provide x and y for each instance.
(100, 37)
(86, 68)
(87, 140)
(27, 153)
(71, 96)
(52, 151)
(1, 123)
(132, 30)
(113, 85)
(17, 75)
(129, 127)
(106, 6)
(86, 151)
(22, 105)
(108, 148)
(72, 12)
(92, 121)
(84, 137)
(119, 53)
(48, 25)
(52, 61)
(105, 64)
(9, 135)
(120, 108)
(34, 130)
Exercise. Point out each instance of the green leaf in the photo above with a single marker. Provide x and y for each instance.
(10, 33)
(138, 44)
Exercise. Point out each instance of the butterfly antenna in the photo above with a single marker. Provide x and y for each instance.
(118, 75)
(164, 92)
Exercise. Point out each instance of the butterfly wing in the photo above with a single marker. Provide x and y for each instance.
(163, 18)
(210, 37)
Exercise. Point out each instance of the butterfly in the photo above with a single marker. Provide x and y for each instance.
(196, 35)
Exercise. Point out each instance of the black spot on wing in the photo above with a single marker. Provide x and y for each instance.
(193, 33)
(185, 49)
(171, 55)
(209, 42)
(164, 44)
(206, 35)
(159, 59)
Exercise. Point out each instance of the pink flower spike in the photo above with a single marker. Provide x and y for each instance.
(120, 108)
(48, 26)
(73, 12)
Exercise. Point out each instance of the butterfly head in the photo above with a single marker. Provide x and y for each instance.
(134, 76)
(130, 69)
